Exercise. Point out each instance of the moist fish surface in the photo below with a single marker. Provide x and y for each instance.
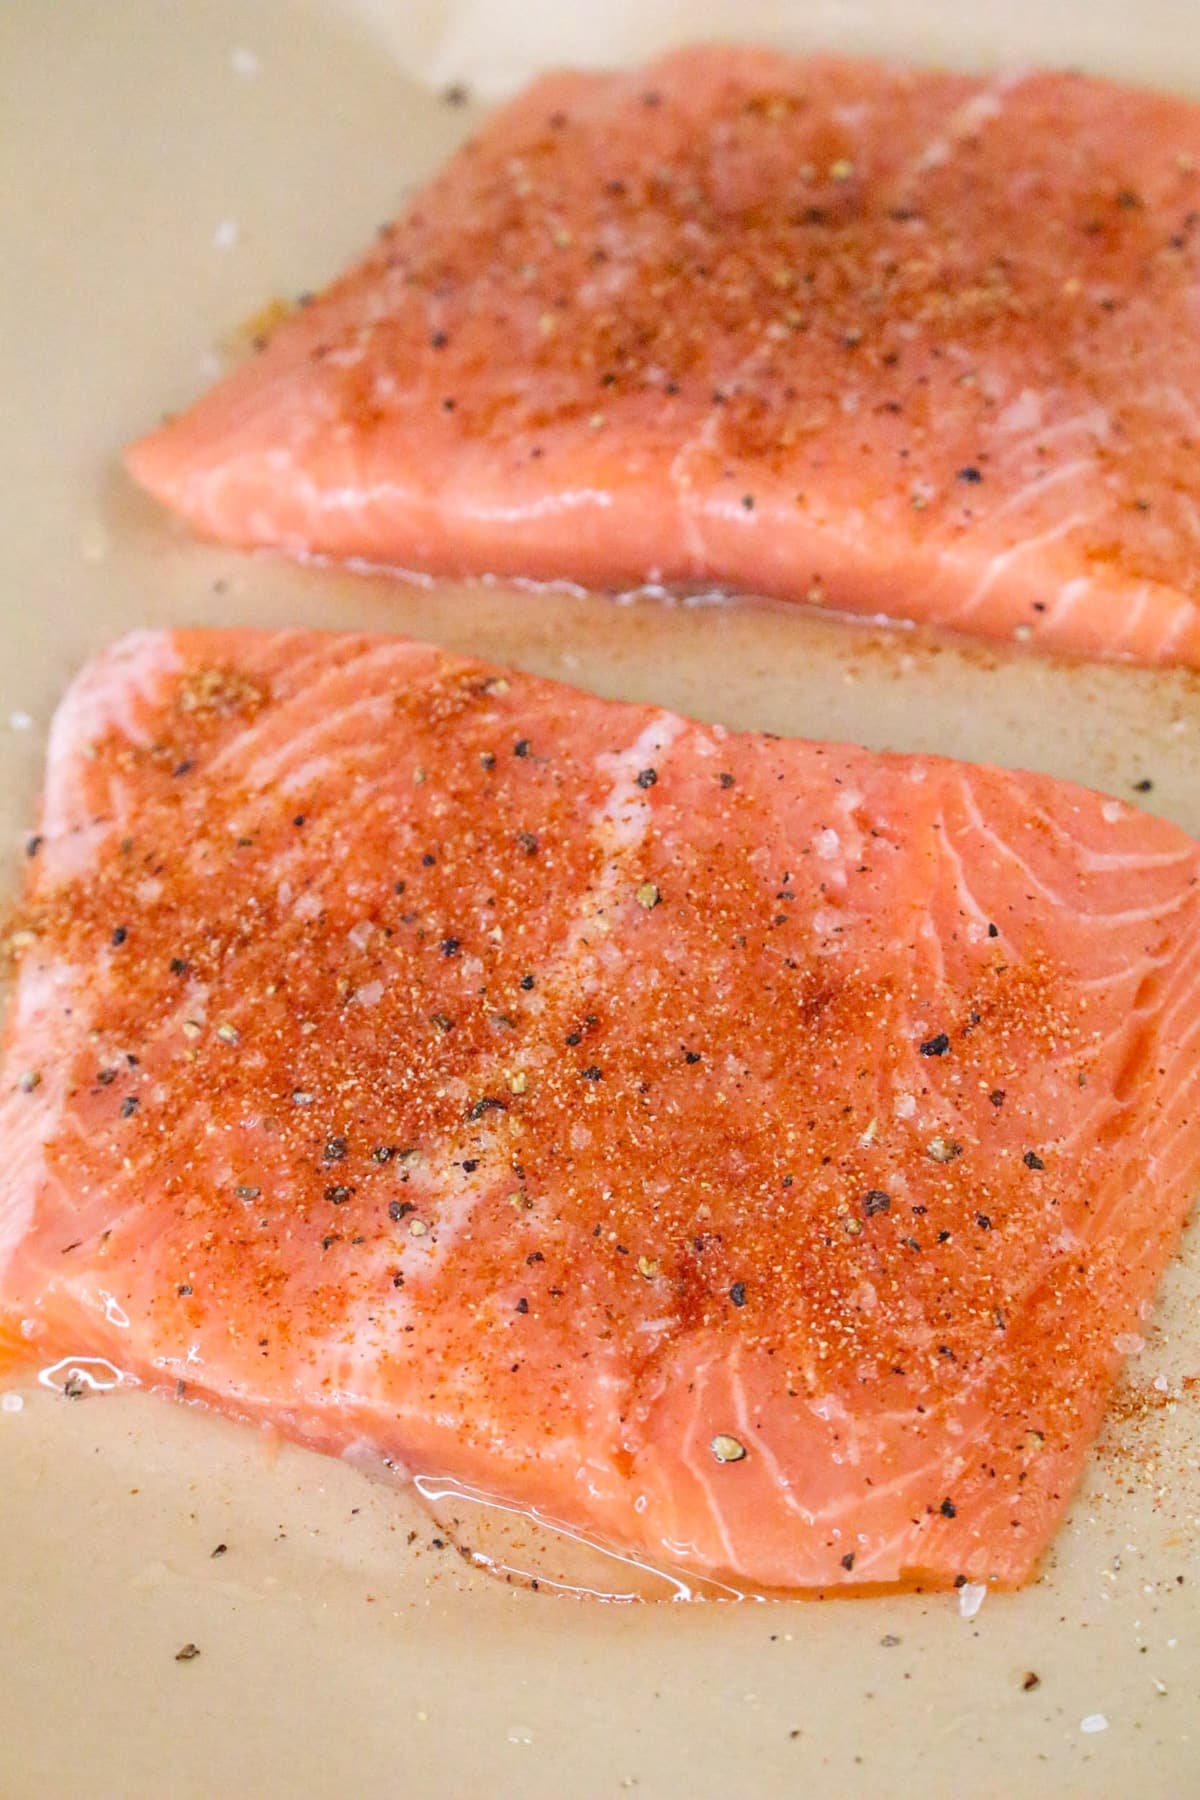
(748, 1152)
(893, 341)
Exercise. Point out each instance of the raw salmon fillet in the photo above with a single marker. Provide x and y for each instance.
(890, 341)
(747, 1152)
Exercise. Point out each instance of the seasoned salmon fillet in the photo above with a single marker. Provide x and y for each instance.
(885, 340)
(747, 1152)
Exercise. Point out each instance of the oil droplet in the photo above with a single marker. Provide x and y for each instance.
(516, 1544)
(114, 1312)
(78, 1372)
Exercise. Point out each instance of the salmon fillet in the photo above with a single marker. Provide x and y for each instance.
(747, 1152)
(896, 342)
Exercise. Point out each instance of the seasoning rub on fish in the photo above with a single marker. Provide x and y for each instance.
(751, 1153)
(886, 340)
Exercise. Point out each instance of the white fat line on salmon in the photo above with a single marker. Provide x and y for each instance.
(933, 1474)
(702, 442)
(108, 694)
(1128, 618)
(1183, 617)
(1068, 597)
(1065, 902)
(695, 1455)
(106, 697)
(689, 530)
(981, 921)
(276, 756)
(756, 1442)
(1096, 862)
(390, 493)
(1003, 560)
(962, 122)
(1034, 444)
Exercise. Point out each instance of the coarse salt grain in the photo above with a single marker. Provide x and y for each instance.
(19, 721)
(11, 1403)
(971, 1597)
(1094, 1722)
(226, 235)
(244, 62)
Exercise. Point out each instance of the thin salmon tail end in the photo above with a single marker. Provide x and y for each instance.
(146, 465)
(169, 465)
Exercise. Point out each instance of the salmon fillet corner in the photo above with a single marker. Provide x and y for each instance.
(747, 1152)
(891, 341)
